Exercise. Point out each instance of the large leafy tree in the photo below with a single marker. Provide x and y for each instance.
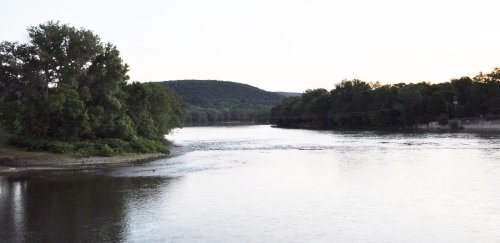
(153, 109)
(66, 84)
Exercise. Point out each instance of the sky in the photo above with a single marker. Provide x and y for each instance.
(282, 45)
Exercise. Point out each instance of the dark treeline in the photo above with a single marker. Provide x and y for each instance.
(66, 91)
(211, 101)
(356, 104)
(200, 115)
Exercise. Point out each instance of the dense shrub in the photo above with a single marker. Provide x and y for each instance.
(103, 147)
(105, 150)
(142, 145)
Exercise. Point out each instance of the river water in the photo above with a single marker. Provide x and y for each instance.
(263, 184)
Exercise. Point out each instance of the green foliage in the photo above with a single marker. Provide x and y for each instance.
(85, 148)
(199, 115)
(4, 136)
(142, 145)
(357, 104)
(101, 147)
(212, 101)
(52, 146)
(105, 150)
(65, 86)
(442, 119)
(154, 110)
(222, 94)
(437, 106)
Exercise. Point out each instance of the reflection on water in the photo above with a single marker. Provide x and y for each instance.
(62, 208)
(256, 183)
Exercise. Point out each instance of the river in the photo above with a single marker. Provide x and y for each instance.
(264, 184)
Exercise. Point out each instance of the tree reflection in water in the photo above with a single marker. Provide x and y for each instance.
(63, 208)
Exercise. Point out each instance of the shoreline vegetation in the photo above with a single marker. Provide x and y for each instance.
(67, 92)
(355, 104)
(15, 160)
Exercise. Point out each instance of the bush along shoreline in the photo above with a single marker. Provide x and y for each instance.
(355, 104)
(65, 91)
(102, 147)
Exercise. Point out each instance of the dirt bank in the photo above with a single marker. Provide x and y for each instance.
(14, 161)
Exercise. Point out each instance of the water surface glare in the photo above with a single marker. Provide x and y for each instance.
(263, 184)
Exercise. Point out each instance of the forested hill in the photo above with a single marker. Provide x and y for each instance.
(210, 101)
(222, 94)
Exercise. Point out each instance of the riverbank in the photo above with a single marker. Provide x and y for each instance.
(464, 125)
(16, 161)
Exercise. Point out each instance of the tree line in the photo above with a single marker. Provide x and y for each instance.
(357, 104)
(201, 116)
(65, 90)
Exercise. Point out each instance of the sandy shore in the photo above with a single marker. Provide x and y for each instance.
(15, 161)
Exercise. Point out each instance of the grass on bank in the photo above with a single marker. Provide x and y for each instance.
(101, 147)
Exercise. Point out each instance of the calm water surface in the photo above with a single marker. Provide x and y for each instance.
(263, 184)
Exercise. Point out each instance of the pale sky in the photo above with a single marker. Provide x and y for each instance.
(282, 45)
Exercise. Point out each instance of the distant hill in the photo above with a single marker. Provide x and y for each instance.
(288, 94)
(213, 102)
(222, 94)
